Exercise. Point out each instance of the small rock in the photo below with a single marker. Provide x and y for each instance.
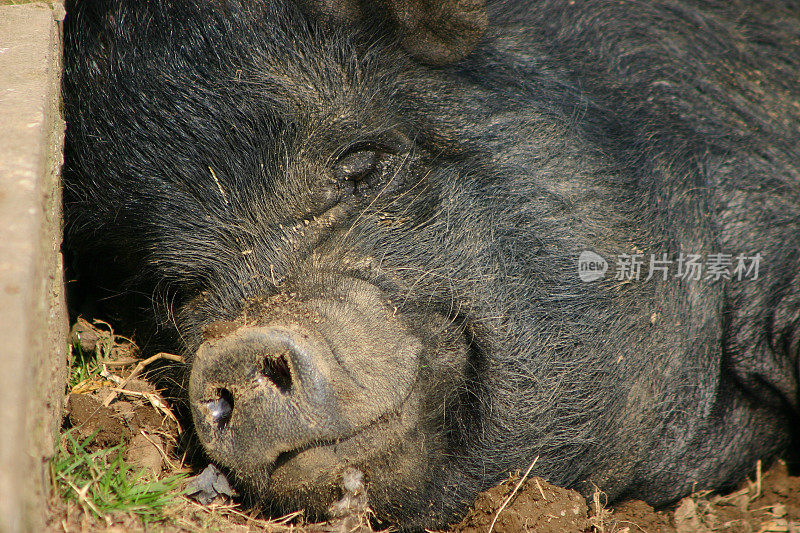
(209, 484)
(145, 416)
(687, 519)
(87, 336)
(779, 510)
(780, 525)
(125, 409)
(144, 453)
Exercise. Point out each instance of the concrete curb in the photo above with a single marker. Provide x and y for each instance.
(33, 325)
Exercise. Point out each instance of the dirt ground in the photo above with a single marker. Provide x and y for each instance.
(769, 506)
(116, 404)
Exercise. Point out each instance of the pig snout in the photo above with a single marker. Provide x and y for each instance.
(272, 379)
(303, 378)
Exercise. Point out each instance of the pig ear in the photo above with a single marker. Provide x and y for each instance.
(438, 32)
(435, 32)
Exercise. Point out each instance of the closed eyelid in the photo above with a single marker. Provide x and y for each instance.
(356, 164)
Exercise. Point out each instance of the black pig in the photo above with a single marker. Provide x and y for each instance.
(379, 231)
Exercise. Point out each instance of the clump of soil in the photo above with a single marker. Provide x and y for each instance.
(636, 516)
(537, 506)
(117, 404)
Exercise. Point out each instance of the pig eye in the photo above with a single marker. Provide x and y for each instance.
(357, 164)
(362, 165)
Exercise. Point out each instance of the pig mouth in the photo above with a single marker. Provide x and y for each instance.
(342, 448)
(378, 425)
(353, 447)
(309, 477)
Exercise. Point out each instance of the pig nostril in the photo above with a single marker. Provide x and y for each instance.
(276, 369)
(221, 408)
